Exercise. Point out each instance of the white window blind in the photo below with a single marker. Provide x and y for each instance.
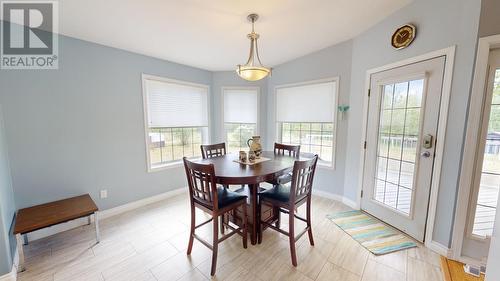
(172, 104)
(306, 103)
(240, 105)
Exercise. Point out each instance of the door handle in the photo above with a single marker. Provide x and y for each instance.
(425, 154)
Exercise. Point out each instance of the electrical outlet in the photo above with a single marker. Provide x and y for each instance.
(104, 194)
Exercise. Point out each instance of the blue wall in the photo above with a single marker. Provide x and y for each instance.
(440, 24)
(80, 128)
(7, 206)
(489, 23)
(330, 62)
(231, 79)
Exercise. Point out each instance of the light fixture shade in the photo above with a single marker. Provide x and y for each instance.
(252, 73)
(253, 70)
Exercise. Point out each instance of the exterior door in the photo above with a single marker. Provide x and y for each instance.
(403, 116)
(486, 181)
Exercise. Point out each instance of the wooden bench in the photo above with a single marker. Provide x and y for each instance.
(49, 214)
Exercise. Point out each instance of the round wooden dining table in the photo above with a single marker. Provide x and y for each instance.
(229, 172)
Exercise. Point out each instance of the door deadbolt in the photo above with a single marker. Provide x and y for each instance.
(427, 141)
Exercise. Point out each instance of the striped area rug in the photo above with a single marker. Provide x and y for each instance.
(371, 233)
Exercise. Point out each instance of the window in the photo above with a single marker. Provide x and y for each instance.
(489, 182)
(398, 139)
(176, 120)
(305, 114)
(240, 116)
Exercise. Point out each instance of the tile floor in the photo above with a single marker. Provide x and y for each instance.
(150, 243)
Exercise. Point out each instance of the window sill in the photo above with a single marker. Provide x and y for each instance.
(326, 166)
(157, 168)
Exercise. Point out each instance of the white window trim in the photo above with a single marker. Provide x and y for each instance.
(461, 228)
(479, 158)
(222, 93)
(335, 79)
(176, 163)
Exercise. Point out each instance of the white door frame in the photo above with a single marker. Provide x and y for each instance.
(471, 141)
(441, 135)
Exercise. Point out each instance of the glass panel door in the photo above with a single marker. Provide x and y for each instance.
(402, 122)
(398, 138)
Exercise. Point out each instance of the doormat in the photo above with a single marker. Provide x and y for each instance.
(371, 233)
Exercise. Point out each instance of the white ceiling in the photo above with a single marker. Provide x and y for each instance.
(211, 34)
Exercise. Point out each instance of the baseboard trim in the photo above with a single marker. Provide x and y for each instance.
(12, 275)
(336, 197)
(439, 248)
(42, 233)
(469, 260)
(140, 203)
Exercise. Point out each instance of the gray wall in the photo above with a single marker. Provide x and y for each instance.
(80, 128)
(7, 206)
(489, 24)
(440, 24)
(231, 79)
(330, 62)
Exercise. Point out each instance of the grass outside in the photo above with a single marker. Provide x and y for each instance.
(173, 153)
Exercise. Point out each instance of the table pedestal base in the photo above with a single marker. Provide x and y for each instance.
(267, 213)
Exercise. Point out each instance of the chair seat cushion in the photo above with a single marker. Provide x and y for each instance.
(286, 178)
(226, 197)
(278, 192)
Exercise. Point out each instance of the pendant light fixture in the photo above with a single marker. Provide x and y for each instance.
(253, 69)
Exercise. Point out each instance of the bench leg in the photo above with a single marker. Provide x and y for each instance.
(97, 233)
(25, 239)
(20, 250)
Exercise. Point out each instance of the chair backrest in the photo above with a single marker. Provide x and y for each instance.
(285, 149)
(213, 150)
(302, 179)
(201, 183)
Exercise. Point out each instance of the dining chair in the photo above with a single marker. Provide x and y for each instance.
(289, 150)
(288, 197)
(204, 194)
(217, 150)
(213, 150)
(285, 149)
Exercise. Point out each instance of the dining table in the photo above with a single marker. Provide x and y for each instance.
(229, 172)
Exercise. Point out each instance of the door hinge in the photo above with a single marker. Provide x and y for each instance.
(364, 146)
(361, 193)
(369, 92)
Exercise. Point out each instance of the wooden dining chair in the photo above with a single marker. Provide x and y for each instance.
(288, 150)
(217, 150)
(285, 149)
(213, 150)
(286, 198)
(204, 194)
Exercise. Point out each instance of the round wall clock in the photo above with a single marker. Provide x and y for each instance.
(403, 36)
